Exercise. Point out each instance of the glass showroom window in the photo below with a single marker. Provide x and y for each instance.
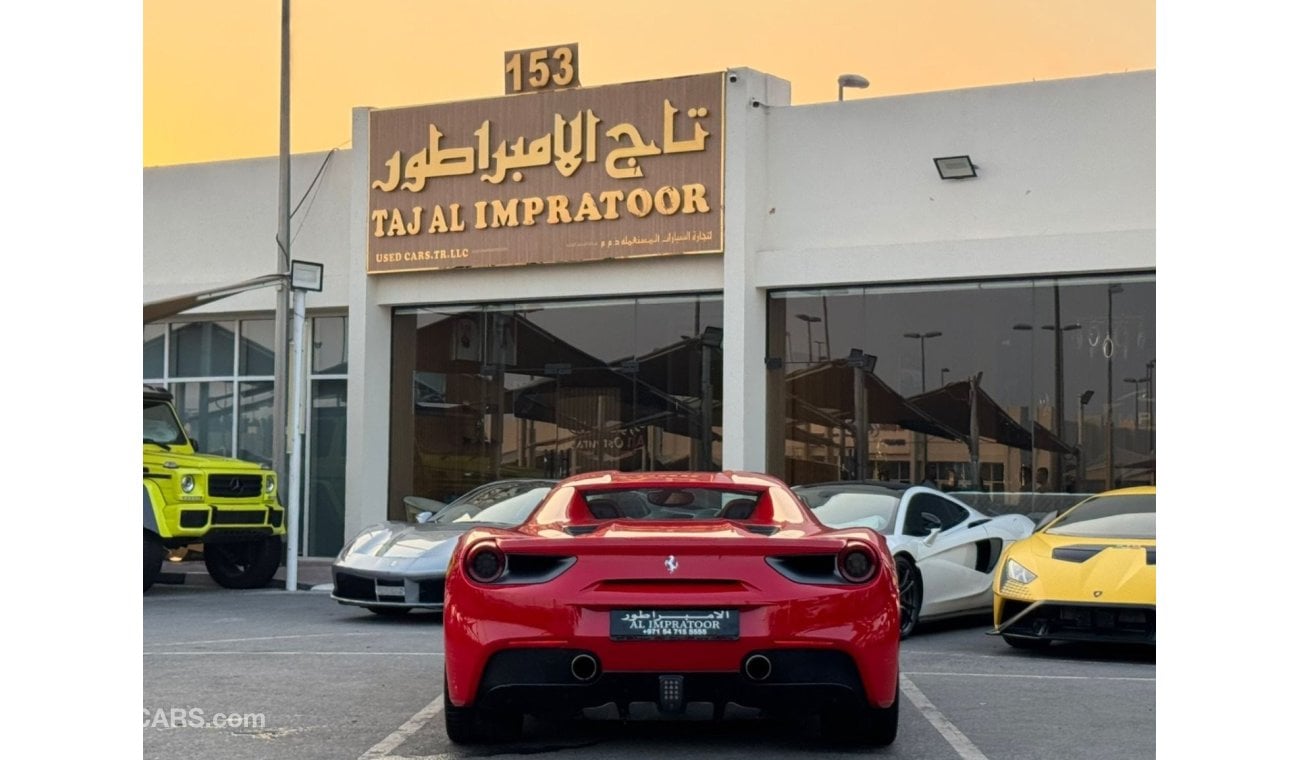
(1044, 386)
(551, 389)
(326, 437)
(222, 374)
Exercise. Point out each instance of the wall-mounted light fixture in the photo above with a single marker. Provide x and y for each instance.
(852, 80)
(955, 167)
(306, 275)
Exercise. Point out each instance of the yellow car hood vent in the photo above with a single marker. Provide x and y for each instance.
(1085, 552)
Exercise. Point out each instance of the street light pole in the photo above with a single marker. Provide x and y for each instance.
(861, 364)
(1151, 407)
(1082, 475)
(1137, 384)
(925, 439)
(1058, 400)
(280, 386)
(1108, 348)
(1058, 380)
(852, 80)
(808, 320)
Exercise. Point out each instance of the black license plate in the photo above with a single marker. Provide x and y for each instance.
(694, 625)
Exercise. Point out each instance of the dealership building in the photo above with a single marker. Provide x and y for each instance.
(684, 274)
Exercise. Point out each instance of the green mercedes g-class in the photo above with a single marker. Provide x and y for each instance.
(227, 505)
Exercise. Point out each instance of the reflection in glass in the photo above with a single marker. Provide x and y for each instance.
(552, 389)
(327, 453)
(257, 347)
(154, 338)
(255, 423)
(202, 349)
(206, 410)
(329, 354)
(1020, 362)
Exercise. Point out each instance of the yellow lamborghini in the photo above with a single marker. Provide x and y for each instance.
(1088, 575)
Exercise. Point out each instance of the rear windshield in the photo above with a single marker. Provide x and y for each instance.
(1128, 516)
(672, 503)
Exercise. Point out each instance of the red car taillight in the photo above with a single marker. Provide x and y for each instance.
(485, 563)
(857, 564)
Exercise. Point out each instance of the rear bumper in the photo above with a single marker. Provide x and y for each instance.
(1078, 621)
(826, 643)
(543, 681)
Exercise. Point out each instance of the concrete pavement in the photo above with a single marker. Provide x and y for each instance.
(312, 572)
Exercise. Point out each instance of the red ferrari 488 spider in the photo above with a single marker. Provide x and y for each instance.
(671, 588)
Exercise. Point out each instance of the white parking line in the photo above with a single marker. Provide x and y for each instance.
(1026, 675)
(257, 638)
(395, 739)
(958, 740)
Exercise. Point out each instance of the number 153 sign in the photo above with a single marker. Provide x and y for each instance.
(550, 68)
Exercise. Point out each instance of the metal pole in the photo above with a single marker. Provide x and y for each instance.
(860, 421)
(295, 454)
(826, 326)
(1081, 475)
(1058, 403)
(1151, 406)
(279, 406)
(1108, 347)
(706, 408)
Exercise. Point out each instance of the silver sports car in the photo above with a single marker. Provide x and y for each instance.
(394, 567)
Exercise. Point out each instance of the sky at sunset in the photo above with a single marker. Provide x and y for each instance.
(211, 69)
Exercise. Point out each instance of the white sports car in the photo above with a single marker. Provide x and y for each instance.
(946, 552)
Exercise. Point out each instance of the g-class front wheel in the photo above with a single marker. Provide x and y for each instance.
(243, 564)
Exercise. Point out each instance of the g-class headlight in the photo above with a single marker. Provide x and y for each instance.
(1014, 571)
(187, 484)
(269, 484)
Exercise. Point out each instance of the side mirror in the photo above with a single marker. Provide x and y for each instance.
(929, 540)
(194, 444)
(424, 517)
(1050, 516)
(416, 505)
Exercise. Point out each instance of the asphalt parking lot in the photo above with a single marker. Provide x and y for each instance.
(273, 674)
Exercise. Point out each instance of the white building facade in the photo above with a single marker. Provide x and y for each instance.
(1022, 298)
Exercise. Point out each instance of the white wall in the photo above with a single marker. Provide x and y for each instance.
(214, 224)
(1066, 183)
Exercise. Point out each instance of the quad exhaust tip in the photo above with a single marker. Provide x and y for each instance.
(758, 667)
(584, 667)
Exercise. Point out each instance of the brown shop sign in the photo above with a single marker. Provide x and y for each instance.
(559, 176)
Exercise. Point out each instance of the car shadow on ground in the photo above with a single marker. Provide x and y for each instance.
(984, 619)
(1095, 652)
(690, 735)
(412, 618)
